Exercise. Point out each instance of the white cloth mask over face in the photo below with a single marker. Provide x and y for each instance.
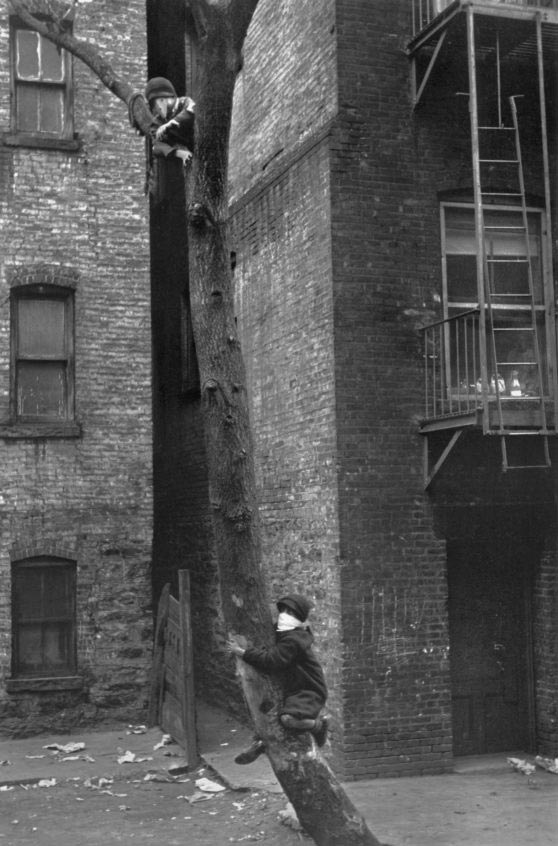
(286, 622)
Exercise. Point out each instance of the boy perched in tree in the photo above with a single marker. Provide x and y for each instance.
(293, 661)
(173, 120)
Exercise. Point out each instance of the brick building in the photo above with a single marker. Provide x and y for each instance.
(363, 189)
(404, 444)
(75, 394)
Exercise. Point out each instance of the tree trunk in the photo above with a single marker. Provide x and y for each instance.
(320, 802)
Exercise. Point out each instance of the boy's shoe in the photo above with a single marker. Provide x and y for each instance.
(296, 723)
(320, 731)
(248, 755)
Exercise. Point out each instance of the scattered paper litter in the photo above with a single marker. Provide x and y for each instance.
(34, 756)
(166, 740)
(158, 777)
(46, 782)
(521, 766)
(97, 782)
(198, 796)
(68, 748)
(5, 788)
(136, 730)
(209, 786)
(549, 764)
(131, 758)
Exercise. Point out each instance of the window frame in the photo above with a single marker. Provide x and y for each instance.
(47, 293)
(35, 136)
(44, 562)
(544, 308)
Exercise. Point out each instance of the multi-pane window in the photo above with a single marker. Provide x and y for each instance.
(42, 354)
(515, 267)
(41, 80)
(44, 617)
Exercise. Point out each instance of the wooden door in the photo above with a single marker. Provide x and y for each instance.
(489, 613)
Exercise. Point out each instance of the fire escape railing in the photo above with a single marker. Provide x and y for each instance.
(425, 11)
(452, 371)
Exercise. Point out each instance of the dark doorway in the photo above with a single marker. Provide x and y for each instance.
(490, 643)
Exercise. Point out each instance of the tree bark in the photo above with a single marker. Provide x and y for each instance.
(320, 802)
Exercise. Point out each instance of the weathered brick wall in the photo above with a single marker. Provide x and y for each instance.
(285, 309)
(545, 619)
(387, 169)
(83, 214)
(280, 231)
(287, 88)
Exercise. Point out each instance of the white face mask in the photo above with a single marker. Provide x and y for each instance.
(286, 622)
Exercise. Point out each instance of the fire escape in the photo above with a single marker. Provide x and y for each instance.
(490, 362)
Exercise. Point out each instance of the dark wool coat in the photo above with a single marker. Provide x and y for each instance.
(176, 136)
(293, 661)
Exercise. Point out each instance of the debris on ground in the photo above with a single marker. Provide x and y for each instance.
(160, 777)
(198, 796)
(548, 764)
(166, 740)
(209, 786)
(127, 757)
(521, 766)
(67, 748)
(136, 730)
(289, 818)
(46, 782)
(98, 782)
(179, 767)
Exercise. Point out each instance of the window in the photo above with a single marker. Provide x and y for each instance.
(42, 354)
(41, 85)
(44, 617)
(511, 345)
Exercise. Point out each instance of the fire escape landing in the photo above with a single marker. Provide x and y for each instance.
(490, 362)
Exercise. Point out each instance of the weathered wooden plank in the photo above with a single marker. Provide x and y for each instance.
(158, 666)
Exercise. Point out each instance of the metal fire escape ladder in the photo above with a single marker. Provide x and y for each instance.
(488, 262)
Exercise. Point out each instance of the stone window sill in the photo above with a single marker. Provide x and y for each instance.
(46, 685)
(62, 429)
(41, 142)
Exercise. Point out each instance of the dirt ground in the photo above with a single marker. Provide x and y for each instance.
(128, 810)
(101, 796)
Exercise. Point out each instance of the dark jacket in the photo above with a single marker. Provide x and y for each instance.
(293, 661)
(175, 136)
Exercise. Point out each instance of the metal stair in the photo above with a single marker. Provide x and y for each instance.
(496, 151)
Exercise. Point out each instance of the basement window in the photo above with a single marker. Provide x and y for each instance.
(42, 354)
(43, 617)
(41, 86)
